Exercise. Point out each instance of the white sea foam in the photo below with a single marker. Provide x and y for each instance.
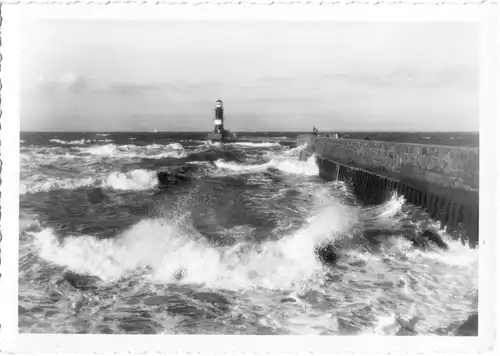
(166, 249)
(288, 165)
(79, 142)
(75, 142)
(133, 151)
(295, 151)
(382, 216)
(138, 179)
(241, 168)
(210, 143)
(293, 166)
(101, 150)
(47, 184)
(255, 144)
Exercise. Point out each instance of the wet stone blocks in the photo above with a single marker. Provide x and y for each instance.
(454, 167)
(442, 180)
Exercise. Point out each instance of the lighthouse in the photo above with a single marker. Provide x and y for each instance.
(220, 133)
(219, 117)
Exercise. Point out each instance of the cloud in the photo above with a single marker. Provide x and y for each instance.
(69, 81)
(128, 89)
(408, 77)
(379, 77)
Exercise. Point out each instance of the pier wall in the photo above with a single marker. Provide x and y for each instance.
(442, 180)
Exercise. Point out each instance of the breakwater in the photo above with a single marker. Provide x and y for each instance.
(443, 180)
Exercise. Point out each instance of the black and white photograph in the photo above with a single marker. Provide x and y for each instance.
(247, 175)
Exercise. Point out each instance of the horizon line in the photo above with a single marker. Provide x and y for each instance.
(207, 131)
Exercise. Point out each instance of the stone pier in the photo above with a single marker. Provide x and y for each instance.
(442, 180)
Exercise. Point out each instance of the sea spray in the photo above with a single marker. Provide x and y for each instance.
(154, 151)
(138, 179)
(166, 249)
(255, 144)
(307, 168)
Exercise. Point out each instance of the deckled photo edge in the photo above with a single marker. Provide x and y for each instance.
(11, 341)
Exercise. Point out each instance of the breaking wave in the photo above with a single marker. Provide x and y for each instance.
(78, 142)
(77, 149)
(167, 251)
(255, 144)
(132, 151)
(49, 184)
(307, 168)
(139, 179)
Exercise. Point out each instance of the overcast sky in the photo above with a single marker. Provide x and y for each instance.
(93, 75)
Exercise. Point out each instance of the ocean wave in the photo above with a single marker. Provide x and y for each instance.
(202, 142)
(48, 184)
(383, 215)
(254, 144)
(295, 151)
(153, 151)
(28, 221)
(45, 150)
(102, 148)
(274, 226)
(79, 142)
(241, 168)
(287, 165)
(457, 256)
(40, 156)
(138, 179)
(292, 166)
(169, 252)
(209, 144)
(33, 160)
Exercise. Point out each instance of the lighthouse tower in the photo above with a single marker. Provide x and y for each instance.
(219, 117)
(220, 133)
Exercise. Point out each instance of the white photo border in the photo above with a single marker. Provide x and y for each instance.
(485, 15)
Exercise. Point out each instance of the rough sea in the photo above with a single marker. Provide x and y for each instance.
(104, 249)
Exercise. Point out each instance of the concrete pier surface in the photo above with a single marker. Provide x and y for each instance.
(443, 180)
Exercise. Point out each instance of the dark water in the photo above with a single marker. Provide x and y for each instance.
(104, 249)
